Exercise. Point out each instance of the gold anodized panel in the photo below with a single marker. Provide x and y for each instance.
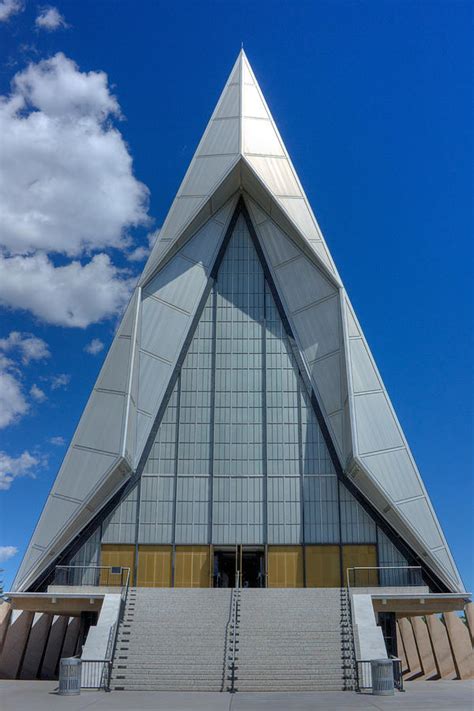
(154, 566)
(360, 556)
(323, 566)
(117, 555)
(192, 567)
(285, 567)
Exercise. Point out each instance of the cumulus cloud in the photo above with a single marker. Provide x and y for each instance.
(14, 467)
(13, 403)
(66, 187)
(72, 295)
(9, 8)
(7, 552)
(50, 19)
(94, 347)
(139, 254)
(60, 381)
(57, 441)
(31, 347)
(37, 394)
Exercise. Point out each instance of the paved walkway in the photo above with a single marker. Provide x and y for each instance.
(419, 696)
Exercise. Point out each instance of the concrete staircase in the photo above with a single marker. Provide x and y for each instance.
(172, 639)
(285, 639)
(294, 640)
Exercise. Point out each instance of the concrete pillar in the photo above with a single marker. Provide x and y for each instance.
(5, 611)
(413, 660)
(401, 651)
(425, 651)
(53, 647)
(469, 611)
(70, 640)
(441, 649)
(14, 643)
(461, 647)
(36, 644)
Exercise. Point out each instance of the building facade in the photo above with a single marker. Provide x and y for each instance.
(239, 422)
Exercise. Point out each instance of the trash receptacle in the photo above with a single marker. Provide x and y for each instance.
(69, 676)
(382, 677)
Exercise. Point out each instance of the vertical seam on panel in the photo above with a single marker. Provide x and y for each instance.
(175, 477)
(212, 417)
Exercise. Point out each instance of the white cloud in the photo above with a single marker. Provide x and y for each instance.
(57, 441)
(50, 19)
(9, 8)
(11, 467)
(139, 254)
(7, 552)
(67, 180)
(66, 187)
(37, 394)
(94, 347)
(13, 403)
(71, 295)
(60, 381)
(31, 347)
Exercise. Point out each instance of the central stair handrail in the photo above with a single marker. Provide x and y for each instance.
(233, 631)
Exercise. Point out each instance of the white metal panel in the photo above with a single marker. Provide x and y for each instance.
(278, 177)
(252, 104)
(101, 425)
(327, 374)
(56, 513)
(303, 283)
(419, 514)
(298, 211)
(163, 328)
(223, 215)
(115, 373)
(364, 377)
(179, 215)
(229, 104)
(206, 173)
(279, 247)
(126, 326)
(221, 138)
(144, 424)
(258, 216)
(259, 137)
(376, 427)
(351, 322)
(154, 375)
(89, 468)
(203, 247)
(318, 329)
(177, 282)
(443, 558)
(322, 251)
(394, 472)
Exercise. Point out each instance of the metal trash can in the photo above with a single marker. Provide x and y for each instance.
(382, 677)
(69, 676)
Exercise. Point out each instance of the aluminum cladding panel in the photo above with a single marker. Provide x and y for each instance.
(318, 329)
(277, 175)
(376, 426)
(395, 473)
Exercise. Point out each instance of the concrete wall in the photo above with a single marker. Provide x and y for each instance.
(35, 646)
(53, 647)
(14, 643)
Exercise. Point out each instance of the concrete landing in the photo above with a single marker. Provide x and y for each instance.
(420, 696)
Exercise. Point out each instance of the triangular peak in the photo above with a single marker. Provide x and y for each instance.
(240, 148)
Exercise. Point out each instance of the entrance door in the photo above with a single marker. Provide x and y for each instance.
(250, 563)
(253, 568)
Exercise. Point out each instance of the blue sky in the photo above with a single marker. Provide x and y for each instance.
(374, 103)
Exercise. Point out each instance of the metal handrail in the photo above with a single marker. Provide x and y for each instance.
(233, 628)
(96, 571)
(418, 568)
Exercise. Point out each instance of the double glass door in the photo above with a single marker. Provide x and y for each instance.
(249, 562)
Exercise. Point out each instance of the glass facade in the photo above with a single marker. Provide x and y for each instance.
(239, 457)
